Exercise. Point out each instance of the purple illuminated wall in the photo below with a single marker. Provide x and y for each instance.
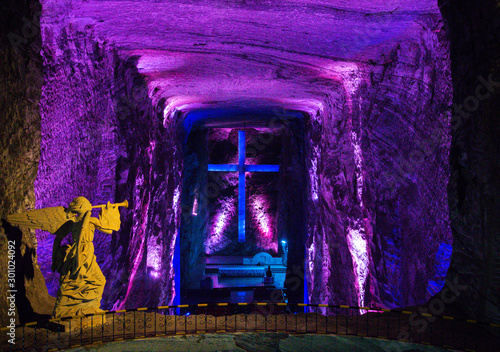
(370, 198)
(101, 139)
(378, 176)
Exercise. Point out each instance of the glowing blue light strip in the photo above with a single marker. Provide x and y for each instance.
(262, 168)
(241, 149)
(241, 186)
(242, 168)
(241, 207)
(222, 167)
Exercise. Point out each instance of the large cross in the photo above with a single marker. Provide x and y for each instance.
(241, 167)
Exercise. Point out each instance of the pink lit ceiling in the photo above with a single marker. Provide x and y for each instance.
(287, 52)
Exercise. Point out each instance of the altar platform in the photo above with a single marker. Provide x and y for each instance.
(241, 272)
(236, 279)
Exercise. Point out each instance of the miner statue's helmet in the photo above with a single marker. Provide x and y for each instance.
(79, 205)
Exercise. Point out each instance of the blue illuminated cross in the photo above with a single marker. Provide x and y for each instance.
(242, 168)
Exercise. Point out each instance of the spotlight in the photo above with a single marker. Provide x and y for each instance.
(153, 273)
(195, 205)
(285, 252)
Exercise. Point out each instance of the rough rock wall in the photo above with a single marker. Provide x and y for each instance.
(20, 88)
(292, 192)
(474, 188)
(20, 145)
(79, 145)
(101, 132)
(378, 174)
(149, 176)
(196, 186)
(404, 133)
(330, 195)
(102, 139)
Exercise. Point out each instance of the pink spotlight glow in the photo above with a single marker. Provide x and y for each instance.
(259, 208)
(356, 242)
(349, 75)
(153, 259)
(195, 205)
(356, 234)
(311, 255)
(139, 230)
(313, 174)
(217, 240)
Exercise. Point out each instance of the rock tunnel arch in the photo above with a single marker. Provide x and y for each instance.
(379, 109)
(271, 131)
